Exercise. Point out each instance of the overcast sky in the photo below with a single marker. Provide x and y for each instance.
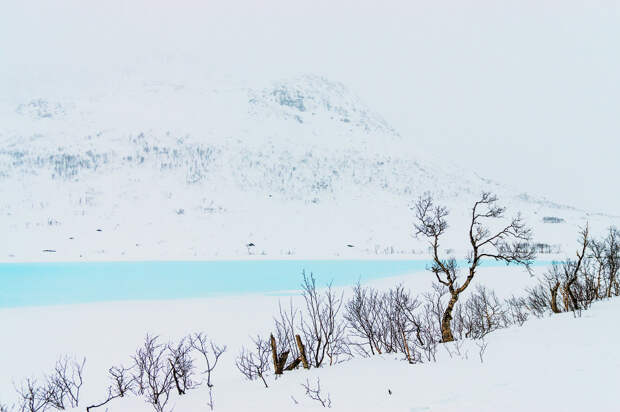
(524, 92)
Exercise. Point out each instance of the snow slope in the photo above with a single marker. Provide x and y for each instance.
(300, 167)
(560, 363)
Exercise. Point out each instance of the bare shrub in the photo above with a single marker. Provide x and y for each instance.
(312, 335)
(122, 383)
(456, 349)
(570, 271)
(182, 364)
(428, 323)
(385, 322)
(400, 310)
(153, 374)
(566, 286)
(321, 327)
(286, 324)
(480, 314)
(509, 244)
(550, 295)
(574, 284)
(362, 316)
(64, 384)
(606, 256)
(211, 354)
(209, 351)
(482, 346)
(396, 321)
(254, 364)
(32, 397)
(516, 310)
(314, 392)
(6, 408)
(60, 390)
(538, 298)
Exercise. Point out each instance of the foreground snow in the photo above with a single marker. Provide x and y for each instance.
(560, 363)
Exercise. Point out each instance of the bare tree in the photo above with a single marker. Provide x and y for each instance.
(287, 324)
(385, 322)
(480, 314)
(538, 299)
(210, 352)
(61, 388)
(362, 316)
(323, 330)
(153, 374)
(427, 333)
(65, 382)
(428, 324)
(606, 253)
(311, 335)
(566, 285)
(122, 382)
(314, 393)
(6, 408)
(574, 284)
(509, 244)
(182, 364)
(571, 271)
(32, 397)
(255, 363)
(280, 356)
(404, 319)
(516, 310)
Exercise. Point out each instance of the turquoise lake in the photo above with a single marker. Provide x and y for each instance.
(35, 284)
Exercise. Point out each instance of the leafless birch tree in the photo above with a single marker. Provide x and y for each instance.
(255, 363)
(509, 244)
(153, 374)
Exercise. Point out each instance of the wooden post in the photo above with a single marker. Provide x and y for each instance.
(406, 346)
(302, 352)
(282, 362)
(293, 365)
(274, 354)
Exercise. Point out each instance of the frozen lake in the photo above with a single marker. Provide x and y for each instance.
(35, 284)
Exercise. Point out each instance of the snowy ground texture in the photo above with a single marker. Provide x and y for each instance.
(562, 363)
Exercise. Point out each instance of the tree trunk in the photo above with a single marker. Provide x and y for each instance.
(554, 298)
(406, 346)
(612, 281)
(571, 295)
(446, 329)
(274, 354)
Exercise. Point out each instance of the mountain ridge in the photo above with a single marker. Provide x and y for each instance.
(249, 161)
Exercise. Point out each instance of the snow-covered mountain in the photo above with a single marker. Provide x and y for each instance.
(298, 167)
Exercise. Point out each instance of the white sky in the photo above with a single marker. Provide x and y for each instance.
(524, 92)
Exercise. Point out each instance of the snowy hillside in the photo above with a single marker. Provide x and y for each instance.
(299, 167)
